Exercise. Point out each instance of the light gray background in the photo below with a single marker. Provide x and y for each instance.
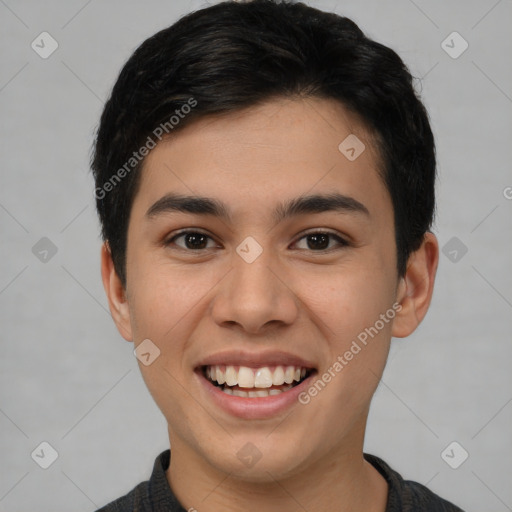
(68, 378)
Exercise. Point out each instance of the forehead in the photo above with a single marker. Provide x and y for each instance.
(281, 149)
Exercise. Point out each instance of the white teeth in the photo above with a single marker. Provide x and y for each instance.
(231, 376)
(250, 378)
(245, 377)
(278, 378)
(263, 378)
(219, 377)
(289, 374)
(255, 394)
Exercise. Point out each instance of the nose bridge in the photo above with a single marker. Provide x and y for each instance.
(253, 277)
(253, 295)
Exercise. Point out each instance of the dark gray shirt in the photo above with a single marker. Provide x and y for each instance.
(155, 495)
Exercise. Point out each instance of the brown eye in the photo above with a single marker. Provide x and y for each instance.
(321, 241)
(192, 240)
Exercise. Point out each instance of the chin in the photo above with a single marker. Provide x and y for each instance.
(258, 458)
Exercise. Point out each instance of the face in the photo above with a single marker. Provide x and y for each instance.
(259, 253)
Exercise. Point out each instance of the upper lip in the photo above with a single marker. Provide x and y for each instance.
(255, 359)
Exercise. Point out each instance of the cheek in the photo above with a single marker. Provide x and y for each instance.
(358, 343)
(165, 308)
(167, 304)
(163, 295)
(354, 304)
(348, 298)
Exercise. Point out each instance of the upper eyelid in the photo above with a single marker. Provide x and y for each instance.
(170, 239)
(342, 240)
(326, 231)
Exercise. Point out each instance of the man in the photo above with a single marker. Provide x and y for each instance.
(265, 183)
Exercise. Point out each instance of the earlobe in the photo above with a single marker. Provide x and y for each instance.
(416, 287)
(116, 294)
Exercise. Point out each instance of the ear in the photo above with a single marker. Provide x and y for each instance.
(116, 294)
(416, 287)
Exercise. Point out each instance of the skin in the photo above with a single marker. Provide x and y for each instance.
(293, 297)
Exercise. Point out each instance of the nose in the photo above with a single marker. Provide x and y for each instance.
(256, 295)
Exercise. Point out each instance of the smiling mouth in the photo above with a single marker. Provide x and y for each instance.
(246, 382)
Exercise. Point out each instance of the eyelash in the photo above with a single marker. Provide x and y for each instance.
(342, 242)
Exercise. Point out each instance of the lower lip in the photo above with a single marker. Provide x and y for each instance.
(257, 407)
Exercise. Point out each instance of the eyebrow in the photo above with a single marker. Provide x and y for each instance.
(317, 203)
